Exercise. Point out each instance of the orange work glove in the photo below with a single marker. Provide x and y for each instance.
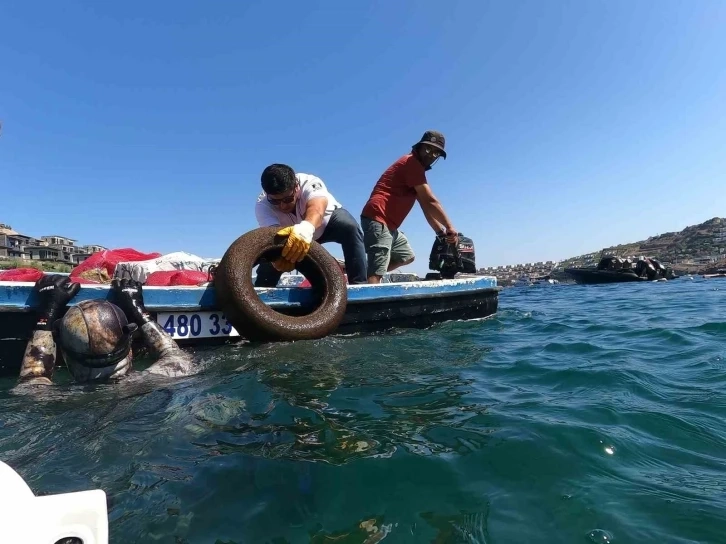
(299, 238)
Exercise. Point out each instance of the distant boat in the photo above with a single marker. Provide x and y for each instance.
(592, 275)
(615, 270)
(720, 273)
(523, 281)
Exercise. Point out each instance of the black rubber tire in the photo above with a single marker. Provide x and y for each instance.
(255, 320)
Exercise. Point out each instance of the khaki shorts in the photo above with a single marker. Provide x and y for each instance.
(384, 247)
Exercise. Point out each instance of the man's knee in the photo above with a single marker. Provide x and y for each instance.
(402, 253)
(352, 233)
(350, 228)
(399, 264)
(342, 229)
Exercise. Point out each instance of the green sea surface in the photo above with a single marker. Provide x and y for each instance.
(576, 414)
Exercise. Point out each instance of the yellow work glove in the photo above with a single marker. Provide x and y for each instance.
(299, 238)
(283, 265)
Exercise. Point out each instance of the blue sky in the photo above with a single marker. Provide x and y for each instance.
(570, 125)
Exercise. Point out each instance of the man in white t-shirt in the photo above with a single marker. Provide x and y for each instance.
(302, 204)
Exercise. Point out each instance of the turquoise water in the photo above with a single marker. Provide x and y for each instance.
(577, 414)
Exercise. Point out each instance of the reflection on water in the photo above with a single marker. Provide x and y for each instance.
(566, 418)
(306, 411)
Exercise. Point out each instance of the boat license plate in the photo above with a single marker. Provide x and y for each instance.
(189, 325)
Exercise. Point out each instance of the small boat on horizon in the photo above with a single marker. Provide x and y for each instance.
(613, 269)
(720, 273)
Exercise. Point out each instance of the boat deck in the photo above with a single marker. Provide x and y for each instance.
(19, 296)
(191, 315)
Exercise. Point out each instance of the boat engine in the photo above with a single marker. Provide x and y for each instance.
(449, 259)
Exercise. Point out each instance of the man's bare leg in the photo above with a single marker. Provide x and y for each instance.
(377, 279)
(393, 266)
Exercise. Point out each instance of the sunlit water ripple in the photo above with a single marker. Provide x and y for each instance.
(577, 414)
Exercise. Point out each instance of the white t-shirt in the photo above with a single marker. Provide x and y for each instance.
(310, 187)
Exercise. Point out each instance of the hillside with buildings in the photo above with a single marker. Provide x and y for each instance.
(508, 274)
(18, 249)
(697, 249)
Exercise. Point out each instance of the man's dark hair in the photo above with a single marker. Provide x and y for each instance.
(277, 179)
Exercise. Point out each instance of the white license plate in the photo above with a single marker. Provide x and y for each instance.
(186, 325)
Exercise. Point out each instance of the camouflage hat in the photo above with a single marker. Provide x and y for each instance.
(434, 139)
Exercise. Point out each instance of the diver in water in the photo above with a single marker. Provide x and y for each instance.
(95, 336)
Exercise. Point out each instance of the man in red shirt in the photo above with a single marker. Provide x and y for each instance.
(393, 197)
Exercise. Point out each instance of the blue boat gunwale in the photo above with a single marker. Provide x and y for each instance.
(19, 296)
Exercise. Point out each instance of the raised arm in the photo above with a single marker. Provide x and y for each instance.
(434, 212)
(171, 360)
(53, 292)
(315, 211)
(315, 196)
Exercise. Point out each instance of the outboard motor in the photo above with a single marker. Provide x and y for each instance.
(449, 259)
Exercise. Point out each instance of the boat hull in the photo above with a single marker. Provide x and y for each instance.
(584, 276)
(370, 308)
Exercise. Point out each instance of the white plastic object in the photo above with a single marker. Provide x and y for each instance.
(48, 519)
(179, 260)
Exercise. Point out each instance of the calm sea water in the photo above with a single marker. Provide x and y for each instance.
(577, 414)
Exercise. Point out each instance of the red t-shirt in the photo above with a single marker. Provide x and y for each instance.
(394, 194)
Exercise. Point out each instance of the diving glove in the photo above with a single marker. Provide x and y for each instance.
(130, 299)
(54, 291)
(299, 238)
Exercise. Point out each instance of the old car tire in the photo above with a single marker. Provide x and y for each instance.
(255, 320)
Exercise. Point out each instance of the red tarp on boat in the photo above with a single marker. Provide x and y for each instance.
(164, 278)
(21, 274)
(99, 267)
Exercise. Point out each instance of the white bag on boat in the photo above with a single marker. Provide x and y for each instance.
(51, 518)
(179, 260)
